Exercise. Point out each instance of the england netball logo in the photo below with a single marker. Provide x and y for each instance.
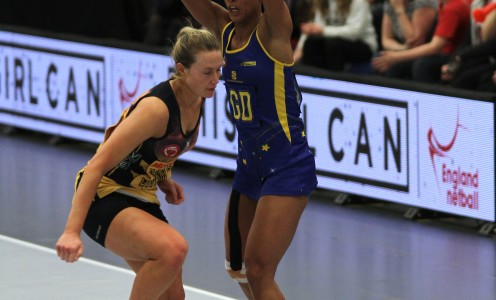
(126, 95)
(460, 186)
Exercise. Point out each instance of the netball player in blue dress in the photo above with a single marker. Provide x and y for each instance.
(275, 171)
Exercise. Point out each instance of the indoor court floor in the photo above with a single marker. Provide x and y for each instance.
(363, 251)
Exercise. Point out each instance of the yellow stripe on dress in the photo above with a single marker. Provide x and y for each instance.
(280, 98)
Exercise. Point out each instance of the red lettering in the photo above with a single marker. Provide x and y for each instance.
(457, 197)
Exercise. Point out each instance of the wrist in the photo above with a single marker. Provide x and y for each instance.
(72, 231)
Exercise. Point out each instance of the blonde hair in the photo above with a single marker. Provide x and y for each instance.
(189, 42)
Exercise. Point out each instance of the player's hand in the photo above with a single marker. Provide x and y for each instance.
(69, 247)
(173, 191)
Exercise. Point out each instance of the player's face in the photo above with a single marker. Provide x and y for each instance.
(240, 10)
(204, 74)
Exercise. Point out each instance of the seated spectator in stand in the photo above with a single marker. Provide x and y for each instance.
(475, 26)
(341, 32)
(487, 21)
(376, 7)
(406, 24)
(473, 67)
(426, 59)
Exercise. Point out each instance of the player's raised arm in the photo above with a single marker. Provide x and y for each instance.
(277, 27)
(209, 14)
(276, 14)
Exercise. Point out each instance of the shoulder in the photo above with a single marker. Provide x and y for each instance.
(163, 88)
(359, 6)
(152, 107)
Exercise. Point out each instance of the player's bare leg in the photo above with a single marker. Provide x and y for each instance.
(271, 233)
(152, 247)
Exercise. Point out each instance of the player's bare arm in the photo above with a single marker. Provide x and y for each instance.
(209, 14)
(276, 27)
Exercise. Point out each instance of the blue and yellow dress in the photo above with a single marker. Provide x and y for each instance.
(264, 98)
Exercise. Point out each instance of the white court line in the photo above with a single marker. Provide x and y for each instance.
(103, 265)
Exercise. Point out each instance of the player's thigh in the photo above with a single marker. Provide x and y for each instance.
(273, 228)
(136, 235)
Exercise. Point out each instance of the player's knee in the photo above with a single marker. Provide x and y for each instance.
(178, 253)
(238, 276)
(258, 272)
(174, 292)
(174, 255)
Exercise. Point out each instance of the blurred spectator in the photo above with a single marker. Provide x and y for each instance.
(340, 32)
(407, 23)
(488, 24)
(475, 27)
(166, 19)
(423, 63)
(376, 7)
(473, 67)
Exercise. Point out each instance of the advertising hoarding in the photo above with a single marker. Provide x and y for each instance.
(415, 148)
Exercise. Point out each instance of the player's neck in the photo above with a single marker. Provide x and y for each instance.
(185, 97)
(243, 30)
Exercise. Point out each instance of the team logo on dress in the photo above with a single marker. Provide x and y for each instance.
(170, 151)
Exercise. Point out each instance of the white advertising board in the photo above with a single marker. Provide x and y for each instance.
(71, 89)
(419, 149)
